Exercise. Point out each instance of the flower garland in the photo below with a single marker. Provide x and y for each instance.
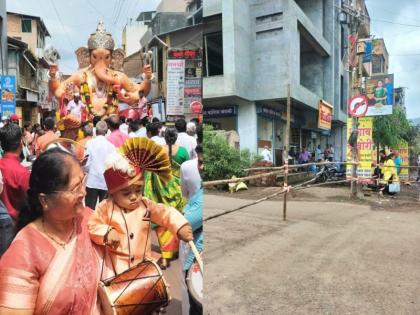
(111, 100)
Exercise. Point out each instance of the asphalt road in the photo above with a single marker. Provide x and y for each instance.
(173, 280)
(327, 258)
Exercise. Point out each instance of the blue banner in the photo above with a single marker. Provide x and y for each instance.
(367, 57)
(8, 95)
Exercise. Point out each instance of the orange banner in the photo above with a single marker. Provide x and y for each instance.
(325, 115)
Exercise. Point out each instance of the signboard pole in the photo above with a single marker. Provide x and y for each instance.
(355, 22)
(354, 158)
(286, 153)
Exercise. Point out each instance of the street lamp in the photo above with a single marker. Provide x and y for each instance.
(342, 17)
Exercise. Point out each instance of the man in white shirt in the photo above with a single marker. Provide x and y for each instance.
(75, 106)
(184, 140)
(137, 129)
(96, 151)
(190, 174)
(266, 154)
(153, 133)
(318, 154)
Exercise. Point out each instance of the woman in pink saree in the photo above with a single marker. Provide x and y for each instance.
(51, 266)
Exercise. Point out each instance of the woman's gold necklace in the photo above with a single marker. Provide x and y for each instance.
(62, 244)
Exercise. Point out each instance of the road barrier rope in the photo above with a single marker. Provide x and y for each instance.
(278, 171)
(305, 185)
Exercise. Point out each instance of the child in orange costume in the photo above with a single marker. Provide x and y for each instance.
(122, 221)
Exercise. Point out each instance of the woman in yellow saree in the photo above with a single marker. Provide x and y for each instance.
(169, 194)
(51, 266)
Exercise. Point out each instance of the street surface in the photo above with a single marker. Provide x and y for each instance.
(173, 279)
(329, 257)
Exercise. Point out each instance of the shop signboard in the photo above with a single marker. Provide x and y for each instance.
(175, 87)
(380, 95)
(185, 54)
(8, 94)
(268, 112)
(219, 112)
(364, 149)
(325, 115)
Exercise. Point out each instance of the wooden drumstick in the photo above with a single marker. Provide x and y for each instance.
(196, 255)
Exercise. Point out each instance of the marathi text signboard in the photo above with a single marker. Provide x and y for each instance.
(219, 112)
(8, 95)
(192, 92)
(268, 112)
(325, 115)
(404, 154)
(175, 87)
(364, 148)
(380, 95)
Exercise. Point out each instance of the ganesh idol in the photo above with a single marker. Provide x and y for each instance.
(100, 81)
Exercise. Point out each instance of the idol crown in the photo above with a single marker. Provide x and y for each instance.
(101, 39)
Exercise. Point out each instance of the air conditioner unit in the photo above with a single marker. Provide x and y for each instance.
(361, 47)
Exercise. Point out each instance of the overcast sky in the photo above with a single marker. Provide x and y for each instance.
(76, 19)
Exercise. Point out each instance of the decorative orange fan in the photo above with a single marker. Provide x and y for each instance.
(148, 156)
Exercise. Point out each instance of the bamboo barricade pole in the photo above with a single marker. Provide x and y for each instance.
(286, 154)
(239, 179)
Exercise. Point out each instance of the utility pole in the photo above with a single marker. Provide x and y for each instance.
(354, 23)
(286, 153)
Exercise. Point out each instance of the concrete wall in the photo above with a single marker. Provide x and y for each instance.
(172, 6)
(165, 22)
(314, 10)
(312, 73)
(131, 36)
(273, 45)
(3, 38)
(14, 29)
(212, 7)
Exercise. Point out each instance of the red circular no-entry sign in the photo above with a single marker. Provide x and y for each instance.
(358, 106)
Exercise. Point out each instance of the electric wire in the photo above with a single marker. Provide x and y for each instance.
(62, 25)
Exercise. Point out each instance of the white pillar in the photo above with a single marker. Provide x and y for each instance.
(247, 126)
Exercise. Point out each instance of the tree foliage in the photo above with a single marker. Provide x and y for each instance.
(221, 160)
(390, 130)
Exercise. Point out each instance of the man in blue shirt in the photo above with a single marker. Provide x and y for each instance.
(193, 212)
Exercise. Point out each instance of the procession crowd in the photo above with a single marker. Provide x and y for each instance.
(136, 175)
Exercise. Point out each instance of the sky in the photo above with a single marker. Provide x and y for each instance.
(70, 23)
(401, 32)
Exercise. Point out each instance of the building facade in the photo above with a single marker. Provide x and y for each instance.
(23, 65)
(176, 36)
(26, 60)
(254, 50)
